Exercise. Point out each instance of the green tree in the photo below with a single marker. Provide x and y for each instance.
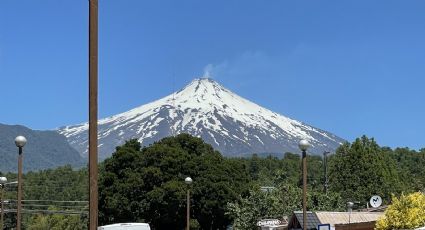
(47, 187)
(410, 165)
(121, 187)
(290, 170)
(254, 167)
(56, 222)
(279, 202)
(361, 169)
(62, 183)
(147, 184)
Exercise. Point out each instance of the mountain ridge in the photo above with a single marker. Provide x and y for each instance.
(204, 108)
(44, 149)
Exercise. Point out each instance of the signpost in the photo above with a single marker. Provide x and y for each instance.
(268, 222)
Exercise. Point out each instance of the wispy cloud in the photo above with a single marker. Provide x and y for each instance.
(249, 66)
(208, 71)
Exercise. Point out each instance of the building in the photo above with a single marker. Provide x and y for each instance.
(336, 220)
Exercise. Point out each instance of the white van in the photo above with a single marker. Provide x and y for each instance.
(126, 226)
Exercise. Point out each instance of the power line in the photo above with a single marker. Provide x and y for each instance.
(57, 206)
(57, 201)
(40, 211)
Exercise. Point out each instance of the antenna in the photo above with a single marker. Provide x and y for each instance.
(375, 201)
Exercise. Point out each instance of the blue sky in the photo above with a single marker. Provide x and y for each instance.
(349, 67)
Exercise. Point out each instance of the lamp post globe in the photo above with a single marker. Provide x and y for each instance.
(350, 206)
(20, 141)
(188, 180)
(304, 145)
(3, 180)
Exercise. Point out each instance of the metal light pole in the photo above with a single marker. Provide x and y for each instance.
(93, 93)
(3, 181)
(350, 206)
(20, 142)
(188, 181)
(303, 145)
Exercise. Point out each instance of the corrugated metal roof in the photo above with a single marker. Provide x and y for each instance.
(345, 217)
(312, 220)
(332, 218)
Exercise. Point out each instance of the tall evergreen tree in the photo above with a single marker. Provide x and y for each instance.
(361, 169)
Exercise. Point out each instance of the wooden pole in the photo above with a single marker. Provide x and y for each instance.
(93, 94)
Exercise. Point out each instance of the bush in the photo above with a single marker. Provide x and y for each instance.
(406, 212)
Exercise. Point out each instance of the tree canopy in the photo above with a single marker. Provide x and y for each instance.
(147, 184)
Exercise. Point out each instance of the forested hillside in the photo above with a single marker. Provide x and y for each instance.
(147, 184)
(44, 149)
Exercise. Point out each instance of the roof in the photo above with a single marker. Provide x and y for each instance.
(345, 217)
(371, 209)
(312, 220)
(332, 218)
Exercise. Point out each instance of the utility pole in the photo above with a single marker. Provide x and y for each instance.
(93, 94)
(325, 167)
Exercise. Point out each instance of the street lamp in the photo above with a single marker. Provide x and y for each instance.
(304, 145)
(350, 206)
(20, 142)
(188, 181)
(3, 181)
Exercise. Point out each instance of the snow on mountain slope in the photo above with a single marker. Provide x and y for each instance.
(204, 108)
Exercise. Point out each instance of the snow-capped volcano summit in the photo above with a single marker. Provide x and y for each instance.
(204, 108)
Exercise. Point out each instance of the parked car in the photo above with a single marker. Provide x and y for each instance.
(126, 226)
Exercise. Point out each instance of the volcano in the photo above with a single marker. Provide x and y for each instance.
(231, 124)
